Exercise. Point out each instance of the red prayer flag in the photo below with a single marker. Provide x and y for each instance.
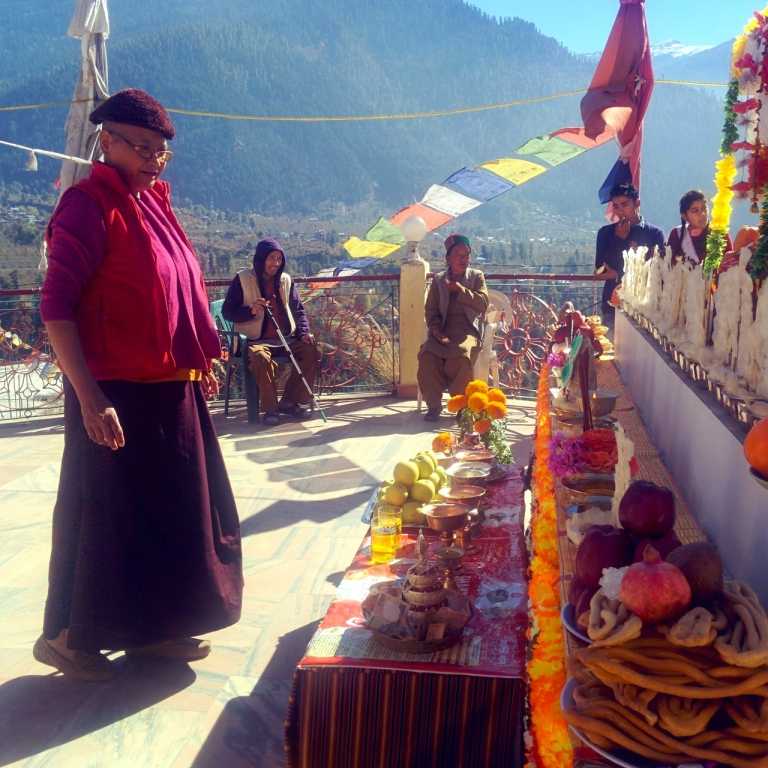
(621, 87)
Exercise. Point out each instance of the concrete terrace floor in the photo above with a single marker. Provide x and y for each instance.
(301, 489)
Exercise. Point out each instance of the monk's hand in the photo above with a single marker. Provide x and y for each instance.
(257, 308)
(622, 228)
(101, 421)
(453, 286)
(440, 336)
(308, 338)
(210, 384)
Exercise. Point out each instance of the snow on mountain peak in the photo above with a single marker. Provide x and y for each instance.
(676, 49)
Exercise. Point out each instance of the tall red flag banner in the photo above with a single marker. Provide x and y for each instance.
(620, 91)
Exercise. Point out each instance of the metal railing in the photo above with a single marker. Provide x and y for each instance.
(356, 321)
(30, 381)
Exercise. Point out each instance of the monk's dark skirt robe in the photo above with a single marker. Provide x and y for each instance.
(146, 539)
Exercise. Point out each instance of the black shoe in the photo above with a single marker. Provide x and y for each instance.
(270, 420)
(433, 414)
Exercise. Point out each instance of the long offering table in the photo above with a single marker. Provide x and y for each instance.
(355, 703)
(702, 449)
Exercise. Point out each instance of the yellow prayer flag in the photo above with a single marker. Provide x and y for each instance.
(369, 249)
(514, 170)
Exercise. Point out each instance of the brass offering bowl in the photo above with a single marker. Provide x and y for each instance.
(573, 426)
(468, 473)
(475, 454)
(462, 494)
(603, 401)
(578, 489)
(445, 519)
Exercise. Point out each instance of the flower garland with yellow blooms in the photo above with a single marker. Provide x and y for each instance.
(726, 168)
(550, 744)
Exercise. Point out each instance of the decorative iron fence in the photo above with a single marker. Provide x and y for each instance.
(356, 322)
(30, 380)
(528, 305)
(355, 319)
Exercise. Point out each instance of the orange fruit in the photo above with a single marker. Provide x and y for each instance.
(756, 447)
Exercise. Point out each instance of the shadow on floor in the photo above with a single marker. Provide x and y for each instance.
(38, 712)
(249, 731)
(48, 425)
(285, 513)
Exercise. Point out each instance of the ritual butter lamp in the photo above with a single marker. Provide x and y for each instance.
(445, 519)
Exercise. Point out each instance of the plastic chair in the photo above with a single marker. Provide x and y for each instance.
(237, 344)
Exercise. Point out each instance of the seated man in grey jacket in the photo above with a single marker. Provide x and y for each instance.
(455, 308)
(267, 284)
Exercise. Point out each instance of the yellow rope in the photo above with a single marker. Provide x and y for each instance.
(363, 118)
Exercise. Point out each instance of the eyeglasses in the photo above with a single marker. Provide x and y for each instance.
(143, 151)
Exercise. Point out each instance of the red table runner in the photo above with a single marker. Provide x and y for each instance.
(493, 576)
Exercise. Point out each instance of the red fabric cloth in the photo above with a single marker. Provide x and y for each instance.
(621, 87)
(493, 575)
(124, 270)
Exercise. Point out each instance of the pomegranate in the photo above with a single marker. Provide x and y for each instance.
(653, 589)
(664, 545)
(603, 546)
(647, 509)
(579, 596)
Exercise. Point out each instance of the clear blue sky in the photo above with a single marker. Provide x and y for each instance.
(584, 26)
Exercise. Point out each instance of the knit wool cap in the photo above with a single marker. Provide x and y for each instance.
(454, 240)
(135, 107)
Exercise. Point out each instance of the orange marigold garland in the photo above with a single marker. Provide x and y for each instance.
(550, 744)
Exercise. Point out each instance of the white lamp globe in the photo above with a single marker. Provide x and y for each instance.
(414, 229)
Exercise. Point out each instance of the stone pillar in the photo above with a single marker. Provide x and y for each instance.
(413, 327)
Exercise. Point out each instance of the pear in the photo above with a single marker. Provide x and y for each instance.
(412, 514)
(406, 473)
(396, 494)
(422, 490)
(425, 467)
(429, 456)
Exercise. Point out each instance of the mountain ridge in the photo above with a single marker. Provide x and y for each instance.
(352, 58)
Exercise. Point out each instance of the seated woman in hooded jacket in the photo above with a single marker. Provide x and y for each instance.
(252, 291)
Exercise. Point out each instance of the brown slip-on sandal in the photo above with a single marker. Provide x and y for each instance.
(182, 649)
(92, 667)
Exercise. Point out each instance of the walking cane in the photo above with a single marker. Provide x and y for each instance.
(287, 347)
